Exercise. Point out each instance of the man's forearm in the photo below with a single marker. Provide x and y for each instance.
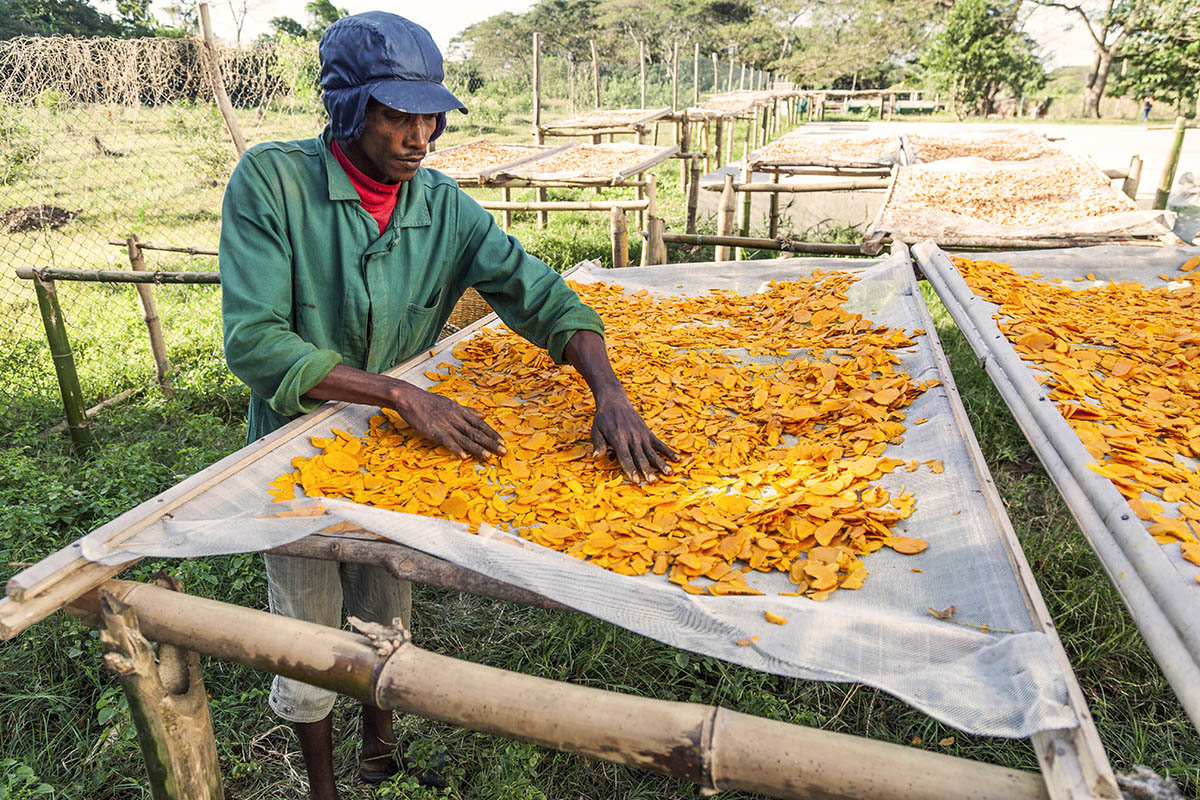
(351, 385)
(585, 351)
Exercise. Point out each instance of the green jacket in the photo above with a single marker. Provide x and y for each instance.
(308, 282)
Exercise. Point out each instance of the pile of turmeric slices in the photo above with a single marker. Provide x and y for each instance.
(1122, 363)
(782, 441)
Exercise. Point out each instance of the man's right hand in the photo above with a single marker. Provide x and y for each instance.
(459, 429)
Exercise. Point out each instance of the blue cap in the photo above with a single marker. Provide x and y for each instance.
(385, 56)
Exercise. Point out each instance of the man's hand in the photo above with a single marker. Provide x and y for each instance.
(622, 433)
(457, 428)
(617, 429)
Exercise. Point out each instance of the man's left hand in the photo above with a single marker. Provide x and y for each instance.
(619, 431)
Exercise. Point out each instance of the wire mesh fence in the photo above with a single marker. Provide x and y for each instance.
(103, 139)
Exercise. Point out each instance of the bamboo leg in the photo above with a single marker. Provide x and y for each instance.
(648, 249)
(773, 221)
(168, 704)
(158, 347)
(639, 193)
(507, 218)
(725, 217)
(64, 364)
(720, 141)
(707, 146)
(620, 238)
(744, 223)
(693, 197)
(543, 216)
(685, 144)
(729, 139)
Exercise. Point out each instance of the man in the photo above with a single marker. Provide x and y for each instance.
(341, 257)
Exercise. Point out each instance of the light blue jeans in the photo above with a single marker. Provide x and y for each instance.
(314, 590)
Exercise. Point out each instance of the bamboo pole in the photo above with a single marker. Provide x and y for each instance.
(506, 193)
(64, 364)
(742, 79)
(707, 745)
(1168, 176)
(538, 134)
(642, 66)
(168, 704)
(214, 72)
(158, 347)
(716, 73)
(707, 142)
(563, 205)
(595, 72)
(619, 235)
(115, 275)
(696, 75)
(744, 222)
(693, 197)
(109, 402)
(543, 214)
(783, 244)
(675, 76)
(1133, 178)
(650, 213)
(725, 212)
(751, 130)
(406, 564)
(719, 159)
(685, 145)
(168, 248)
(729, 133)
(729, 79)
(773, 213)
(802, 188)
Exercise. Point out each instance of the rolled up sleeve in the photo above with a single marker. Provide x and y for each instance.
(261, 347)
(531, 298)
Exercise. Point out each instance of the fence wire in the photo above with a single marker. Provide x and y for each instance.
(101, 139)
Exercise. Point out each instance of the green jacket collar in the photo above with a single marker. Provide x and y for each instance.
(412, 206)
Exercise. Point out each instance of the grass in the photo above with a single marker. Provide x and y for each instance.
(64, 726)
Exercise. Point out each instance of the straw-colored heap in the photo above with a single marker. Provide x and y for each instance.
(1122, 361)
(780, 459)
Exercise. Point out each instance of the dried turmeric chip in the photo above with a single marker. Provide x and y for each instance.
(1191, 552)
(774, 619)
(906, 544)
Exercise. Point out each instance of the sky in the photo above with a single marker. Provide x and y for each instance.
(1063, 39)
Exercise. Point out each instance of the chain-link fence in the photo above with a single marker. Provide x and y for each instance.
(102, 139)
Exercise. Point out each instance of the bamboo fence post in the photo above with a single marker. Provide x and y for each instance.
(675, 76)
(685, 146)
(742, 79)
(506, 192)
(64, 364)
(620, 237)
(1168, 176)
(642, 67)
(696, 76)
(729, 79)
(744, 222)
(648, 216)
(595, 73)
(1130, 185)
(158, 348)
(725, 214)
(773, 221)
(214, 72)
(538, 133)
(168, 704)
(716, 73)
(693, 196)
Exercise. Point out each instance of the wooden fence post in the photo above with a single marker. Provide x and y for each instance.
(168, 704)
(642, 66)
(693, 196)
(649, 215)
(1168, 176)
(158, 348)
(64, 364)
(725, 217)
(595, 73)
(620, 237)
(675, 76)
(214, 72)
(538, 134)
(1130, 186)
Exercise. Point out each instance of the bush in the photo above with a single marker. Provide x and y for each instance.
(18, 147)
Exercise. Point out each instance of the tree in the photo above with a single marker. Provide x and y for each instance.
(1164, 64)
(980, 51)
(285, 25)
(53, 18)
(322, 14)
(1112, 23)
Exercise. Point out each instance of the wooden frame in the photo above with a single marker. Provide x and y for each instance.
(1073, 761)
